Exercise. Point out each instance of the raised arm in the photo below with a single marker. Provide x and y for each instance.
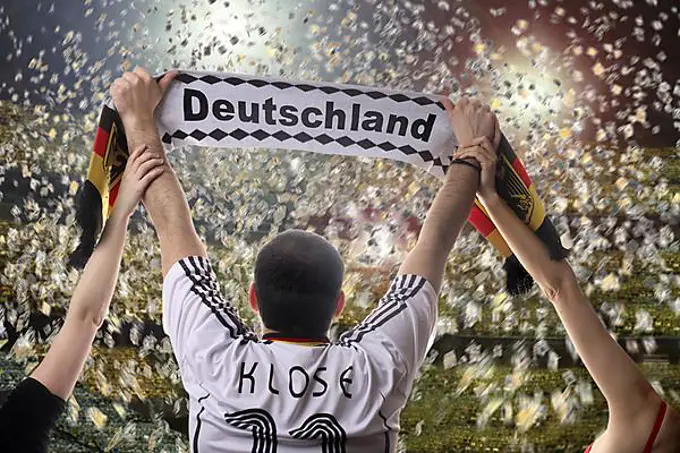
(454, 200)
(192, 299)
(62, 365)
(136, 96)
(628, 393)
(403, 322)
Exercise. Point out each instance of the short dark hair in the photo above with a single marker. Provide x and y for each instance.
(298, 279)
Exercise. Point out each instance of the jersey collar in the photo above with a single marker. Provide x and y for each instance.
(302, 341)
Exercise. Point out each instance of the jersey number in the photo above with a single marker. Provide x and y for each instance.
(263, 429)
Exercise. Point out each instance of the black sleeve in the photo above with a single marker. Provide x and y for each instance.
(27, 417)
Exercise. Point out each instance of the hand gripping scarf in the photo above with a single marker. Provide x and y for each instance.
(223, 110)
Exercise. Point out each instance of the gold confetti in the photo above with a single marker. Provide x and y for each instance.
(598, 69)
(97, 417)
(548, 99)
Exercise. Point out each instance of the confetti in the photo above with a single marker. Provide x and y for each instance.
(573, 106)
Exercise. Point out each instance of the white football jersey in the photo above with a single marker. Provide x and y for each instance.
(270, 395)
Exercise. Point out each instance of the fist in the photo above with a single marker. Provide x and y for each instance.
(136, 94)
(470, 120)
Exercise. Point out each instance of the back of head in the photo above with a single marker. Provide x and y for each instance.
(298, 279)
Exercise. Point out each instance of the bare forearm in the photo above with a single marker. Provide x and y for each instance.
(90, 302)
(617, 376)
(450, 208)
(622, 383)
(165, 201)
(141, 131)
(94, 291)
(528, 248)
(443, 223)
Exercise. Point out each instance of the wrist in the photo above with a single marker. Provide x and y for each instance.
(491, 200)
(119, 218)
(469, 163)
(138, 122)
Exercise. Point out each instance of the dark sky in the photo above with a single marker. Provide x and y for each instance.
(34, 26)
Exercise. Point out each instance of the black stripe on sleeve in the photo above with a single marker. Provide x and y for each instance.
(404, 288)
(401, 307)
(205, 286)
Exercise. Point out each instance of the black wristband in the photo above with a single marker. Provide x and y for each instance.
(465, 162)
